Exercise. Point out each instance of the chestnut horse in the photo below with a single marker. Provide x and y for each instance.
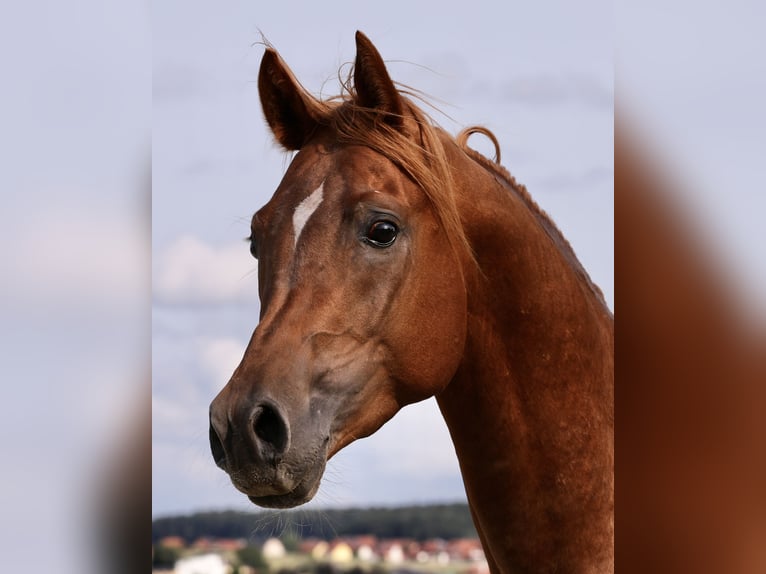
(396, 264)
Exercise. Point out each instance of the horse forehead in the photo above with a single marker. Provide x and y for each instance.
(305, 209)
(361, 164)
(322, 177)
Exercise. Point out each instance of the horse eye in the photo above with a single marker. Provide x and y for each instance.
(253, 246)
(382, 233)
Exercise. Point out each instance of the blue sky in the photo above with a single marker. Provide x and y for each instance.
(540, 76)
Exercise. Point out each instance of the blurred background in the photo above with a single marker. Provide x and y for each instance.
(134, 154)
(75, 176)
(691, 265)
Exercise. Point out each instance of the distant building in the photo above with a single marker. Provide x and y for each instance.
(230, 544)
(341, 553)
(395, 552)
(202, 544)
(481, 567)
(204, 564)
(366, 553)
(273, 549)
(172, 542)
(365, 548)
(392, 552)
(465, 549)
(319, 549)
(218, 544)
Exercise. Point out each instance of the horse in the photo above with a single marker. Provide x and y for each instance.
(395, 263)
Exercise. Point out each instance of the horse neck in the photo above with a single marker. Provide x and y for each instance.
(530, 409)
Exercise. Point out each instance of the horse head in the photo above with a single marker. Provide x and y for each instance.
(363, 301)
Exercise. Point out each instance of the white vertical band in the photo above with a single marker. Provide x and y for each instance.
(305, 210)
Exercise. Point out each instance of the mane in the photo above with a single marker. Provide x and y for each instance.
(545, 220)
(419, 150)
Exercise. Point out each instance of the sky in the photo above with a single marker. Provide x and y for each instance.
(540, 76)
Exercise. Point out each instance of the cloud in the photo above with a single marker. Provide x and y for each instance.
(64, 256)
(185, 471)
(188, 371)
(418, 439)
(220, 357)
(172, 417)
(411, 458)
(190, 271)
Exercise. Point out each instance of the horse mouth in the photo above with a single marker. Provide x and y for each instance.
(303, 492)
(288, 486)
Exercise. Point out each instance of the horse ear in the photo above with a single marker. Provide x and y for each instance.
(291, 112)
(373, 85)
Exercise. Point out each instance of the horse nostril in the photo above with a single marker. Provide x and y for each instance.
(216, 447)
(271, 429)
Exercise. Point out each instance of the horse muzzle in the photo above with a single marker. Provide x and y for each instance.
(253, 443)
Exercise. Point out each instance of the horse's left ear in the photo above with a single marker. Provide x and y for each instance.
(373, 85)
(291, 112)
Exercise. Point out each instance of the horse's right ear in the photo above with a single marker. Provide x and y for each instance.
(291, 112)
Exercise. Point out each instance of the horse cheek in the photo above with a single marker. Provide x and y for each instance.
(431, 330)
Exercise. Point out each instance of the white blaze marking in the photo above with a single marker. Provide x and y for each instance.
(305, 210)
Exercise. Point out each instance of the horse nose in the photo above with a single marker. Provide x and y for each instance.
(271, 431)
(219, 429)
(258, 435)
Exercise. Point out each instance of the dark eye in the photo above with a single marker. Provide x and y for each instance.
(253, 246)
(381, 233)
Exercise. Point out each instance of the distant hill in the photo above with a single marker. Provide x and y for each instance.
(419, 522)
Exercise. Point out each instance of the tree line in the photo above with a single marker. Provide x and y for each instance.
(445, 521)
